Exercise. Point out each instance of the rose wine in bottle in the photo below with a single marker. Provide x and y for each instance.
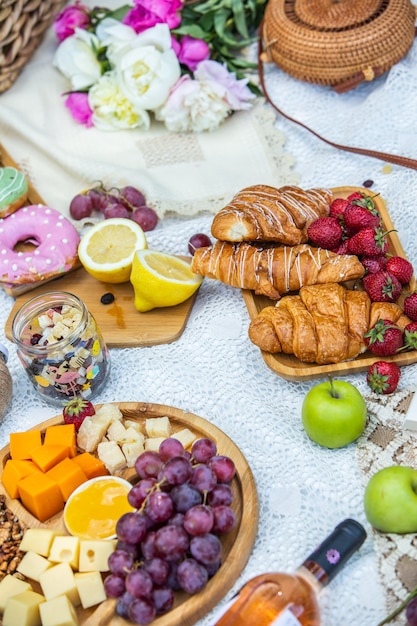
(279, 599)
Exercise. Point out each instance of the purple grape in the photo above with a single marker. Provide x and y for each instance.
(159, 506)
(81, 206)
(185, 496)
(158, 570)
(120, 562)
(203, 449)
(142, 611)
(131, 527)
(114, 586)
(177, 519)
(163, 599)
(177, 470)
(198, 520)
(223, 467)
(206, 549)
(148, 464)
(169, 448)
(212, 568)
(145, 217)
(96, 196)
(130, 548)
(139, 583)
(148, 546)
(224, 519)
(192, 576)
(173, 579)
(199, 240)
(411, 612)
(123, 604)
(116, 210)
(220, 494)
(131, 197)
(139, 492)
(171, 542)
(203, 478)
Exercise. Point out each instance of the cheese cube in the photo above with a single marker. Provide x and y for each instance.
(90, 465)
(38, 540)
(110, 412)
(22, 442)
(133, 435)
(46, 457)
(185, 436)
(90, 588)
(111, 455)
(33, 565)
(13, 472)
(23, 609)
(94, 555)
(132, 451)
(91, 433)
(59, 580)
(153, 443)
(58, 612)
(62, 435)
(65, 549)
(11, 586)
(158, 427)
(68, 476)
(116, 431)
(138, 426)
(41, 496)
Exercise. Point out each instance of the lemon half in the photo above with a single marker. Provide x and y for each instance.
(161, 280)
(106, 250)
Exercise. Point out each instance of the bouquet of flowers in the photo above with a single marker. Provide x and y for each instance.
(170, 59)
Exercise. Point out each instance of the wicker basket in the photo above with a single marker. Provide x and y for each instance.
(337, 42)
(23, 24)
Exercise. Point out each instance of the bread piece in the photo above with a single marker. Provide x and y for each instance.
(274, 270)
(264, 213)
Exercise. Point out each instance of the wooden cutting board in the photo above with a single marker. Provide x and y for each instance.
(121, 324)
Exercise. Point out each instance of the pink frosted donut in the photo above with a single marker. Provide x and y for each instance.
(55, 238)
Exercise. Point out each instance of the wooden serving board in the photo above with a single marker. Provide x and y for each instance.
(287, 365)
(237, 545)
(120, 323)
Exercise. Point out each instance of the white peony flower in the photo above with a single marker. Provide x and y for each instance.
(111, 109)
(114, 36)
(76, 59)
(194, 106)
(147, 67)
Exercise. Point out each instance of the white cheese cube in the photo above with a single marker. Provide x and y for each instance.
(132, 451)
(38, 540)
(109, 412)
(58, 612)
(33, 565)
(133, 435)
(59, 580)
(23, 609)
(94, 555)
(111, 455)
(158, 427)
(185, 436)
(138, 426)
(116, 431)
(11, 586)
(153, 443)
(65, 549)
(90, 588)
(91, 433)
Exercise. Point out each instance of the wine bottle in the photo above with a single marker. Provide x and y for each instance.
(281, 599)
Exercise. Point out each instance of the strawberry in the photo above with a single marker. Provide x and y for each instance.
(383, 377)
(373, 264)
(384, 338)
(410, 336)
(76, 410)
(337, 207)
(369, 242)
(357, 217)
(342, 248)
(382, 287)
(325, 232)
(410, 306)
(401, 268)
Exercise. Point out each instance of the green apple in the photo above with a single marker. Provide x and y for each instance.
(390, 500)
(334, 413)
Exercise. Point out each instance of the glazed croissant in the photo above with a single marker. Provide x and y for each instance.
(275, 270)
(322, 324)
(264, 213)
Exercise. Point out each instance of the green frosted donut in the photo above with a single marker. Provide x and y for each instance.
(13, 190)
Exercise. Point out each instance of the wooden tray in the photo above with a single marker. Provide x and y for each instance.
(237, 545)
(288, 366)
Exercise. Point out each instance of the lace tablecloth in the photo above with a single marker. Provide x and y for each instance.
(213, 370)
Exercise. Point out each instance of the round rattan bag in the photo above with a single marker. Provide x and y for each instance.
(337, 42)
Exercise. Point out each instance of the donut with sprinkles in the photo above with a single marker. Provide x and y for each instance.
(55, 242)
(13, 190)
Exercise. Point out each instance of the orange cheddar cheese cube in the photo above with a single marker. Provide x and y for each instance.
(22, 443)
(62, 435)
(91, 466)
(41, 496)
(68, 476)
(14, 471)
(46, 457)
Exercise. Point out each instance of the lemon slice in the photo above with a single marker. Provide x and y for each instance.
(106, 250)
(161, 280)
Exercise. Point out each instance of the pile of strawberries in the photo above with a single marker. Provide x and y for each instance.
(354, 226)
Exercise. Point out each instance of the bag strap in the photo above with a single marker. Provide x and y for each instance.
(383, 156)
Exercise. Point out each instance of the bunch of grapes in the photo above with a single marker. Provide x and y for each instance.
(127, 202)
(171, 542)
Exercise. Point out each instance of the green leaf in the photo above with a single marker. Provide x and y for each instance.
(240, 20)
(193, 30)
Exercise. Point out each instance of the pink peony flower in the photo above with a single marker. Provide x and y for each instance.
(192, 52)
(77, 103)
(147, 13)
(237, 93)
(72, 17)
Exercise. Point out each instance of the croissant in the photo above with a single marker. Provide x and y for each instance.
(273, 270)
(264, 213)
(322, 324)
